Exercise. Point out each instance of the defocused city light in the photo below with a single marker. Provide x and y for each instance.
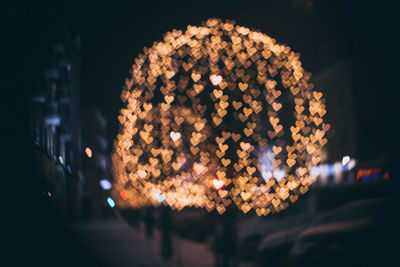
(110, 202)
(175, 136)
(88, 152)
(266, 175)
(345, 160)
(279, 174)
(315, 171)
(199, 168)
(196, 106)
(160, 197)
(123, 195)
(52, 120)
(368, 174)
(218, 184)
(326, 170)
(351, 164)
(105, 184)
(337, 168)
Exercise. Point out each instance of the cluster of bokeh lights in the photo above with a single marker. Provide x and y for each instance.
(217, 115)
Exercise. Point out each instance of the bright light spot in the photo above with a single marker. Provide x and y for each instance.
(160, 197)
(266, 164)
(216, 79)
(345, 160)
(279, 174)
(324, 171)
(111, 202)
(314, 171)
(266, 175)
(351, 164)
(198, 168)
(123, 195)
(218, 184)
(175, 136)
(337, 168)
(88, 152)
(105, 184)
(60, 158)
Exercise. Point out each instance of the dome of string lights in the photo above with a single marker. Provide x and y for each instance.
(217, 115)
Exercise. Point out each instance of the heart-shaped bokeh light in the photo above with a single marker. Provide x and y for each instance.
(217, 115)
(218, 184)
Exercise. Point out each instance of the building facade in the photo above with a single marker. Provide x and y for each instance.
(55, 124)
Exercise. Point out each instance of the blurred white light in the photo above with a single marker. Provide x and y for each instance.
(111, 202)
(351, 164)
(60, 158)
(345, 160)
(266, 164)
(266, 175)
(105, 184)
(324, 171)
(279, 174)
(160, 197)
(314, 171)
(337, 168)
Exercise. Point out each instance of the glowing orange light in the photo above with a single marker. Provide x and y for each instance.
(123, 195)
(197, 104)
(88, 152)
(198, 168)
(218, 184)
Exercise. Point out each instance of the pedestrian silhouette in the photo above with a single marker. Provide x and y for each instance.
(149, 221)
(165, 220)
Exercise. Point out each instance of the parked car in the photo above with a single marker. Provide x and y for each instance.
(338, 228)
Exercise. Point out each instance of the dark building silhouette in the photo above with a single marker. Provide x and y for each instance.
(56, 127)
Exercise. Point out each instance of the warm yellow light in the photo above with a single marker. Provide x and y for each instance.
(199, 168)
(88, 152)
(202, 123)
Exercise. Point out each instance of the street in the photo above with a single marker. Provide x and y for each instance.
(115, 243)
